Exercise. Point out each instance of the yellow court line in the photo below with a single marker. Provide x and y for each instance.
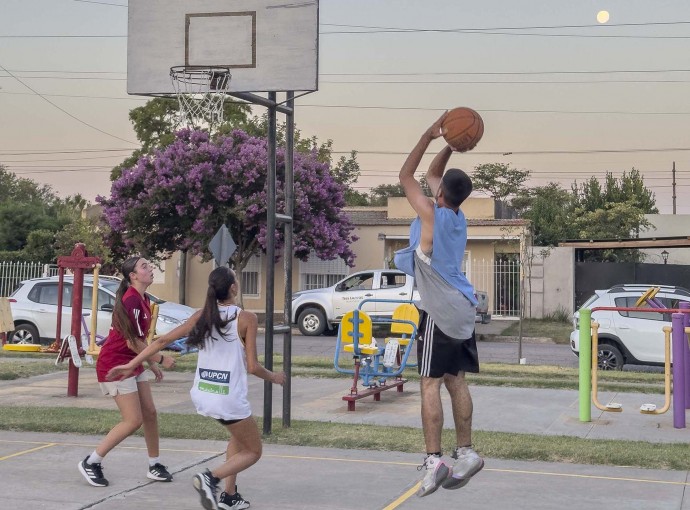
(403, 497)
(363, 461)
(28, 451)
(592, 477)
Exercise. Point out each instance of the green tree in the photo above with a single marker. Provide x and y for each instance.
(613, 221)
(87, 231)
(40, 246)
(498, 180)
(378, 196)
(155, 124)
(550, 212)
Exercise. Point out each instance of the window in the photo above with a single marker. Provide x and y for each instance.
(629, 302)
(47, 294)
(392, 280)
(250, 277)
(362, 281)
(316, 273)
(103, 298)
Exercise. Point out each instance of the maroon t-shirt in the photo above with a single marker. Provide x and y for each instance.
(115, 350)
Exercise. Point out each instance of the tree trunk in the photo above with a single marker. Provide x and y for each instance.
(182, 290)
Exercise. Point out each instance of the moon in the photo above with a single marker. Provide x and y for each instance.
(603, 16)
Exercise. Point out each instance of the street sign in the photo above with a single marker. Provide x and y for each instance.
(222, 246)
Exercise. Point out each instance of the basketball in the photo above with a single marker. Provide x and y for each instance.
(463, 128)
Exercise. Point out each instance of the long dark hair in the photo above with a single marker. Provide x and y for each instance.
(219, 282)
(121, 320)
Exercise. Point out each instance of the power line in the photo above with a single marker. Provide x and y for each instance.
(99, 3)
(406, 82)
(429, 73)
(537, 27)
(401, 108)
(497, 82)
(534, 152)
(65, 111)
(388, 30)
(67, 151)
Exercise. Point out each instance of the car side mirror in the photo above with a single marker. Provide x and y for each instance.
(107, 307)
(340, 287)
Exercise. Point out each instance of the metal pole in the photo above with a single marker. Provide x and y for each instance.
(77, 290)
(684, 305)
(678, 340)
(270, 258)
(287, 262)
(673, 185)
(585, 364)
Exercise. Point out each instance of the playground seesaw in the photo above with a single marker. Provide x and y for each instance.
(374, 364)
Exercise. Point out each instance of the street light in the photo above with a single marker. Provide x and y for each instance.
(664, 255)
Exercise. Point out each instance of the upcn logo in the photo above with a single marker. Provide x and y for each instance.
(214, 375)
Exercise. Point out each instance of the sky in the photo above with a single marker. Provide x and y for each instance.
(561, 94)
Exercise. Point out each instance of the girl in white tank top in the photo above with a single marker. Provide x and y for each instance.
(226, 338)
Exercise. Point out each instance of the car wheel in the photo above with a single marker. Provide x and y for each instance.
(24, 334)
(610, 357)
(332, 332)
(311, 322)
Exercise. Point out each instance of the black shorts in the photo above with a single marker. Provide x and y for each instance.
(439, 354)
(228, 422)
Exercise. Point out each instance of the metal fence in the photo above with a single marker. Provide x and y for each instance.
(500, 279)
(11, 273)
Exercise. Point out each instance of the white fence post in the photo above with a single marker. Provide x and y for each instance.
(500, 279)
(11, 273)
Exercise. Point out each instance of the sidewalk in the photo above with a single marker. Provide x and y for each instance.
(496, 408)
(317, 478)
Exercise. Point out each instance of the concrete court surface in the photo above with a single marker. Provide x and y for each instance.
(39, 471)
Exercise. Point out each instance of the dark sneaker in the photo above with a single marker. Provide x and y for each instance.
(93, 473)
(435, 472)
(467, 464)
(232, 502)
(159, 473)
(207, 486)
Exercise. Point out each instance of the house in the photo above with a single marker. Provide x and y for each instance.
(492, 257)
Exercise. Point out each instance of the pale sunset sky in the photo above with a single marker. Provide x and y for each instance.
(561, 94)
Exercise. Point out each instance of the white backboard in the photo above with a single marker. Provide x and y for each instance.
(269, 45)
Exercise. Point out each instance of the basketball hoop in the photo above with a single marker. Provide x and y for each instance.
(201, 94)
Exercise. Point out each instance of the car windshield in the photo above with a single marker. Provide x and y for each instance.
(112, 286)
(589, 301)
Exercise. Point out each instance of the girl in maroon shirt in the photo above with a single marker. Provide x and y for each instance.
(127, 337)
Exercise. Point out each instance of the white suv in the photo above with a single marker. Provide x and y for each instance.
(34, 308)
(634, 338)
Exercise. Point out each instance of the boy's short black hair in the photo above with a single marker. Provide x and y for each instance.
(456, 186)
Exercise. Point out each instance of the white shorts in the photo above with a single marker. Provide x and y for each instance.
(124, 386)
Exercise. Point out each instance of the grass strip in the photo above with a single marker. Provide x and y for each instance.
(492, 374)
(530, 447)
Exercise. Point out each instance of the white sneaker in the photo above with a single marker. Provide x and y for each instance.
(468, 464)
(435, 472)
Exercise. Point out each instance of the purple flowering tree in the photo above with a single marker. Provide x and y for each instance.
(179, 196)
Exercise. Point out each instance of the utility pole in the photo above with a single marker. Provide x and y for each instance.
(674, 187)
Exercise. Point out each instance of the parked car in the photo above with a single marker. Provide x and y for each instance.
(634, 338)
(34, 308)
(319, 311)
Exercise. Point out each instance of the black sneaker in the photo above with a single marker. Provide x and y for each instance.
(93, 473)
(232, 502)
(207, 486)
(159, 473)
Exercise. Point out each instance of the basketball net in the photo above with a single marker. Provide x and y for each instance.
(200, 94)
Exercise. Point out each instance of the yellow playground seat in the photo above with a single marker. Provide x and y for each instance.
(403, 332)
(355, 337)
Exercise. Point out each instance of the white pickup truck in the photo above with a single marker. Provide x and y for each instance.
(319, 311)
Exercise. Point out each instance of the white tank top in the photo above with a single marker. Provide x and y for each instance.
(220, 383)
